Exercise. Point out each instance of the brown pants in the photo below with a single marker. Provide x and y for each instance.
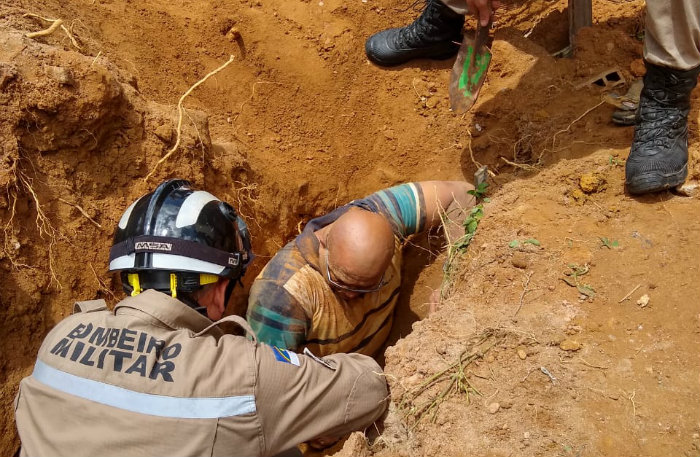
(672, 35)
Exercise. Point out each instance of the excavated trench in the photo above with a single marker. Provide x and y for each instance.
(298, 124)
(79, 139)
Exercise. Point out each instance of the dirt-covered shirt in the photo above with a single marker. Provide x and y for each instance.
(156, 378)
(291, 305)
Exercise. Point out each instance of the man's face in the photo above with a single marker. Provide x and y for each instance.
(346, 285)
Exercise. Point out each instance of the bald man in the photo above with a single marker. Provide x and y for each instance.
(333, 288)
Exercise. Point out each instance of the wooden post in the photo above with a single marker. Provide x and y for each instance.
(580, 15)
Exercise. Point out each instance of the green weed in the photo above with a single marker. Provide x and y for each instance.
(607, 243)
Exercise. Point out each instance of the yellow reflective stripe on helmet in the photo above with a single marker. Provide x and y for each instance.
(206, 278)
(173, 285)
(133, 279)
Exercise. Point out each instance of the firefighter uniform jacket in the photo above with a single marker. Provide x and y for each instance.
(155, 377)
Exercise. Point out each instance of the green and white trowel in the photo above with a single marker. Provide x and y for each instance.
(469, 70)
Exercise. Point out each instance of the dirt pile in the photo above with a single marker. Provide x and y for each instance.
(299, 123)
(578, 364)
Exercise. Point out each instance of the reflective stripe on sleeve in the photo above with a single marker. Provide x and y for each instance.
(137, 402)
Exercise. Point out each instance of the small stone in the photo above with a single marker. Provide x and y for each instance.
(7, 74)
(506, 404)
(637, 67)
(578, 196)
(164, 132)
(62, 75)
(522, 354)
(551, 287)
(591, 183)
(570, 345)
(493, 408)
(696, 436)
(526, 435)
(519, 260)
(432, 102)
(643, 301)
(687, 190)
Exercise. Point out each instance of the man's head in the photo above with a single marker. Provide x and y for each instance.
(358, 249)
(183, 242)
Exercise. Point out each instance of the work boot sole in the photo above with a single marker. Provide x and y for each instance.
(656, 181)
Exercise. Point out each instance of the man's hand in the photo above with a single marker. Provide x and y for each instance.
(483, 9)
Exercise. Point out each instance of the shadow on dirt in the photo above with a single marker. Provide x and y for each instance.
(518, 128)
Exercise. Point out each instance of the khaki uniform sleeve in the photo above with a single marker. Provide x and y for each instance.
(297, 403)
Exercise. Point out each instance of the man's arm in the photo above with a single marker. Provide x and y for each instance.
(299, 399)
(446, 197)
(275, 316)
(414, 207)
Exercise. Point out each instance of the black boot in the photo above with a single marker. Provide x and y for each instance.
(436, 34)
(658, 158)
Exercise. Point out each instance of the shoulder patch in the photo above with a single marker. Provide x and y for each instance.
(283, 355)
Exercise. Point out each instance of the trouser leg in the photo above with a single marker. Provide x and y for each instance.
(672, 33)
(458, 6)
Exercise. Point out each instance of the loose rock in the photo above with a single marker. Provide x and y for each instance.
(687, 190)
(637, 67)
(62, 75)
(493, 408)
(643, 301)
(165, 133)
(591, 183)
(519, 260)
(7, 74)
(569, 345)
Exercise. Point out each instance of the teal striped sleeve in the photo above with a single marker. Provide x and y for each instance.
(275, 316)
(403, 205)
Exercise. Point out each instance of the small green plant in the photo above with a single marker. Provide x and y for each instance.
(515, 243)
(607, 243)
(615, 162)
(576, 272)
(470, 225)
(480, 192)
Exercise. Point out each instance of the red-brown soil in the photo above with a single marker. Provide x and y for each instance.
(301, 122)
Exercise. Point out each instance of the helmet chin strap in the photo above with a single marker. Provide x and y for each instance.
(229, 289)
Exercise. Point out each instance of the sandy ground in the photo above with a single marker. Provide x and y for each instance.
(301, 122)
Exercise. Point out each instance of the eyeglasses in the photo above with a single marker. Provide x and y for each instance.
(340, 286)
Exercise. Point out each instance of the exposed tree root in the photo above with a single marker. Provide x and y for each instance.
(82, 211)
(455, 375)
(55, 24)
(102, 285)
(43, 224)
(568, 127)
(180, 110)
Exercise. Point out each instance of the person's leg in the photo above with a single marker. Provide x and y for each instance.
(672, 34)
(436, 34)
(658, 157)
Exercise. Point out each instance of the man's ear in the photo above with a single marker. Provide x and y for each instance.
(220, 294)
(216, 305)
